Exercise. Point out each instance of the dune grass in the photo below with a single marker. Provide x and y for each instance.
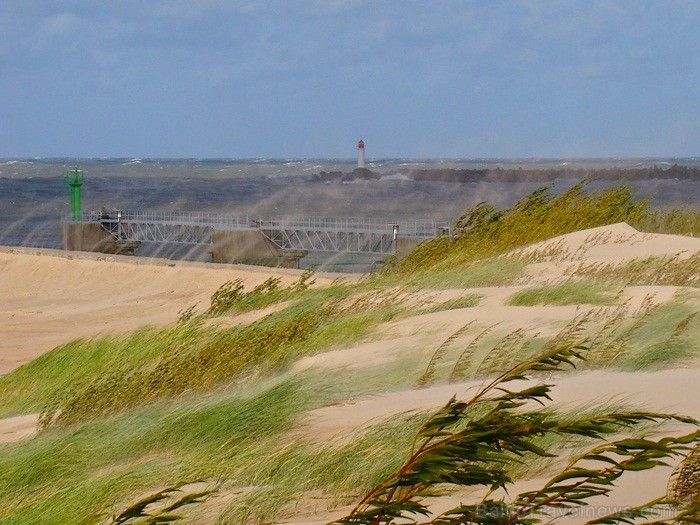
(466, 301)
(562, 294)
(668, 336)
(652, 336)
(204, 358)
(251, 439)
(85, 472)
(70, 367)
(232, 297)
(452, 272)
(90, 377)
(484, 232)
(667, 271)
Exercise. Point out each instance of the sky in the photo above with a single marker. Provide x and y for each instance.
(309, 78)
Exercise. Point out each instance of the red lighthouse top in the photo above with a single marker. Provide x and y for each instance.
(361, 144)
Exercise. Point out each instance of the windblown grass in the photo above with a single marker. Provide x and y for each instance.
(685, 483)
(670, 271)
(651, 337)
(682, 220)
(484, 232)
(70, 367)
(89, 378)
(232, 297)
(249, 439)
(561, 294)
(252, 440)
(453, 273)
(466, 301)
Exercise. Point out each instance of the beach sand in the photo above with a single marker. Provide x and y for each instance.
(50, 297)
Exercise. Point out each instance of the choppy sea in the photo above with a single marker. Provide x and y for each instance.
(33, 194)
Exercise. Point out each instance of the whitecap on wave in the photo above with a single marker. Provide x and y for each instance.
(395, 176)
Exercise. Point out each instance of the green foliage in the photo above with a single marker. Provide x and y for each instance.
(142, 511)
(232, 297)
(67, 475)
(193, 361)
(681, 221)
(484, 232)
(500, 271)
(195, 357)
(226, 297)
(69, 367)
(669, 271)
(466, 301)
(254, 438)
(472, 443)
(648, 337)
(669, 334)
(561, 294)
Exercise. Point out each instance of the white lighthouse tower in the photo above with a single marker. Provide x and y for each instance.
(361, 154)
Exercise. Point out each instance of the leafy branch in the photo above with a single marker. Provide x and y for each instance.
(475, 443)
(141, 510)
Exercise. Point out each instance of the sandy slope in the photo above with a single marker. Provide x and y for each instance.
(16, 428)
(615, 243)
(676, 391)
(50, 297)
(607, 245)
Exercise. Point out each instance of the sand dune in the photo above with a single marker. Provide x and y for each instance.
(614, 243)
(674, 391)
(50, 297)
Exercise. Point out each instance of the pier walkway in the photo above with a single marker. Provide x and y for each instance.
(318, 234)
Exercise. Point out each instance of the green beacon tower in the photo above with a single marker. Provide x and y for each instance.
(74, 180)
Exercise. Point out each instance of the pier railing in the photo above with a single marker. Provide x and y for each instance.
(404, 228)
(220, 220)
(329, 234)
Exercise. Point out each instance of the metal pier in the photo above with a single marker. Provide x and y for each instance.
(319, 234)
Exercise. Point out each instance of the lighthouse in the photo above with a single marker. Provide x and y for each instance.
(361, 154)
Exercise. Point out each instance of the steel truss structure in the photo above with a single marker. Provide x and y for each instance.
(331, 241)
(320, 234)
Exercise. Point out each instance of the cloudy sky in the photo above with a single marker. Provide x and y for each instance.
(308, 78)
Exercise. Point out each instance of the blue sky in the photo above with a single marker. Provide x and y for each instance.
(308, 78)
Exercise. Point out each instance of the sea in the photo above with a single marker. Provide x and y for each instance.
(33, 193)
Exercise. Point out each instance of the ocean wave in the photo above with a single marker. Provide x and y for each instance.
(395, 176)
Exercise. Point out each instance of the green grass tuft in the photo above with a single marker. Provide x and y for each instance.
(566, 293)
(466, 301)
